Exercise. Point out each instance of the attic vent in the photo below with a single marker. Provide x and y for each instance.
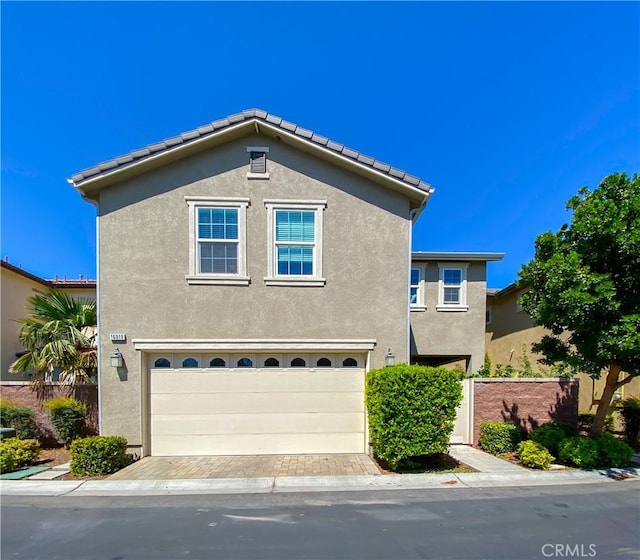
(257, 162)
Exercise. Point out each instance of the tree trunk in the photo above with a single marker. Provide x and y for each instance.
(605, 400)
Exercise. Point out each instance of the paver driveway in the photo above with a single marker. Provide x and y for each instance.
(250, 466)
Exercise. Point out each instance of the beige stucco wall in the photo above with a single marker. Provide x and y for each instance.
(511, 332)
(451, 333)
(15, 288)
(144, 246)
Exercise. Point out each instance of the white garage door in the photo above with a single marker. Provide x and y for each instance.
(238, 411)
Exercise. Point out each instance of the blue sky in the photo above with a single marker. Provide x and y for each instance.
(505, 108)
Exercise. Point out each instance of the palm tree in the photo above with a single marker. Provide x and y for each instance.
(61, 333)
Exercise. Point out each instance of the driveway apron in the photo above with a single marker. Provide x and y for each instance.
(250, 466)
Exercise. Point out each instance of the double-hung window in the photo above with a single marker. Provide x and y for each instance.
(295, 246)
(217, 252)
(416, 288)
(452, 287)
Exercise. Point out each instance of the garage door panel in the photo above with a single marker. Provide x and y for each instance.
(237, 381)
(251, 444)
(228, 424)
(256, 402)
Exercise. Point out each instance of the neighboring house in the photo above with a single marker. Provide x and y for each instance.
(448, 298)
(17, 285)
(250, 272)
(510, 331)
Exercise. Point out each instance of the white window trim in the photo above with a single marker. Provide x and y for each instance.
(194, 277)
(272, 278)
(488, 315)
(462, 305)
(263, 149)
(420, 301)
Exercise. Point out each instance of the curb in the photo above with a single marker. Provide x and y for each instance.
(268, 485)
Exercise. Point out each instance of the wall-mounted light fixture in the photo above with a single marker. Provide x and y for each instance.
(116, 359)
(389, 358)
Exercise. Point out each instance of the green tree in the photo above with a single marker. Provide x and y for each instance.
(584, 287)
(60, 334)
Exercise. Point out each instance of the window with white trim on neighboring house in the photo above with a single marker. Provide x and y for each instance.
(452, 287)
(217, 252)
(295, 246)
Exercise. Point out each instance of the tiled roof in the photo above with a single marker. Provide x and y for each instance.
(54, 283)
(257, 115)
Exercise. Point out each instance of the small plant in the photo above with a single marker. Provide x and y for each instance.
(24, 451)
(630, 412)
(411, 410)
(7, 458)
(613, 452)
(21, 418)
(534, 455)
(579, 451)
(485, 370)
(67, 418)
(97, 455)
(499, 437)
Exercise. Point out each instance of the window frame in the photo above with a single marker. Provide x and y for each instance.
(273, 278)
(420, 296)
(462, 304)
(239, 278)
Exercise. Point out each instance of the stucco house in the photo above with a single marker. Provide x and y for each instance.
(250, 272)
(510, 332)
(16, 286)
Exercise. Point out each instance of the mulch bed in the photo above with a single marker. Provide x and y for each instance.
(438, 463)
(53, 456)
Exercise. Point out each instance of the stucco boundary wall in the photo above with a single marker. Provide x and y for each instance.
(21, 393)
(526, 402)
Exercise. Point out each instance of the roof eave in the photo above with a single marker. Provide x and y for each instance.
(90, 186)
(456, 256)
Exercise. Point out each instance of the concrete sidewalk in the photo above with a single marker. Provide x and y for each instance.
(494, 472)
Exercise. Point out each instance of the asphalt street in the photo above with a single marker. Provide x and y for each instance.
(599, 521)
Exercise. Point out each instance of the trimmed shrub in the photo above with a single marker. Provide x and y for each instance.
(579, 451)
(7, 458)
(585, 420)
(549, 436)
(96, 455)
(534, 455)
(21, 418)
(67, 418)
(613, 452)
(569, 430)
(630, 412)
(25, 451)
(499, 437)
(412, 410)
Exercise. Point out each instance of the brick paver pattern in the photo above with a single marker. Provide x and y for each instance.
(250, 466)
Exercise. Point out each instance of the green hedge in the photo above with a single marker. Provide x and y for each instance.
(22, 418)
(412, 410)
(550, 435)
(24, 451)
(613, 452)
(534, 455)
(579, 451)
(499, 437)
(93, 456)
(67, 418)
